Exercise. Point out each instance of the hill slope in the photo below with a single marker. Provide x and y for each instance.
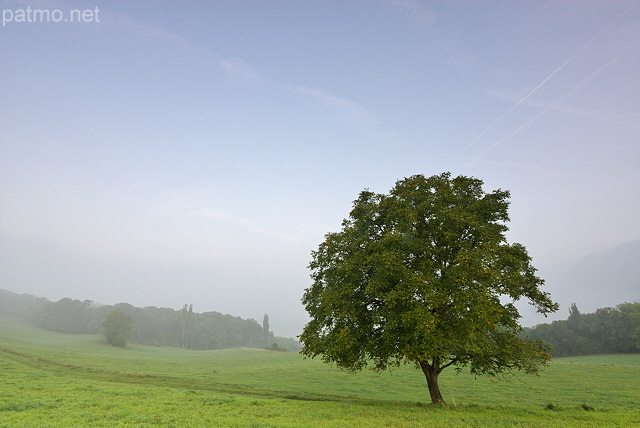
(607, 278)
(56, 379)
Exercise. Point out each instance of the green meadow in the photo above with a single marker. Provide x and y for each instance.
(58, 380)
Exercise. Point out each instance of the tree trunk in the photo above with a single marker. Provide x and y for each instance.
(431, 373)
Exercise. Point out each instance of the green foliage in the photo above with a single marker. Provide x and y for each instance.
(275, 347)
(66, 315)
(607, 330)
(23, 306)
(116, 327)
(424, 275)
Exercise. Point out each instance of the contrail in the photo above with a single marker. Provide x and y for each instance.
(544, 81)
(516, 105)
(537, 116)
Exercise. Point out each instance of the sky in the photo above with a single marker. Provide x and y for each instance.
(163, 152)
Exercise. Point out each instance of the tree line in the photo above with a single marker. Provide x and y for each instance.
(605, 331)
(150, 325)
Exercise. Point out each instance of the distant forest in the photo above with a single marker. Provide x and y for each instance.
(151, 325)
(605, 331)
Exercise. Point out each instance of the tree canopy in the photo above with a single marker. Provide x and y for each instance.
(424, 275)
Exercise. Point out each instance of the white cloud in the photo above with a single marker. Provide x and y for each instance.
(118, 23)
(415, 11)
(447, 43)
(350, 109)
(238, 68)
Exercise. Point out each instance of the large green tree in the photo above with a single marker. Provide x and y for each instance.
(425, 276)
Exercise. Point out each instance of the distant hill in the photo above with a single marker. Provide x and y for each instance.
(598, 280)
(151, 325)
(606, 278)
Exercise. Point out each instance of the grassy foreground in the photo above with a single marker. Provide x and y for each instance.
(55, 380)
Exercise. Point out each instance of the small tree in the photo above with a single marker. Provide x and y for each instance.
(186, 318)
(574, 321)
(424, 275)
(116, 327)
(267, 336)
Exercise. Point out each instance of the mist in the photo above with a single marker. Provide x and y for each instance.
(168, 154)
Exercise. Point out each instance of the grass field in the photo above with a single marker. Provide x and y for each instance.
(55, 380)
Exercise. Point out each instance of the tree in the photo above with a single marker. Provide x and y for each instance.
(424, 276)
(631, 311)
(116, 327)
(186, 318)
(267, 335)
(575, 321)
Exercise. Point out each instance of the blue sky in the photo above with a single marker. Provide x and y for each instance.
(165, 153)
